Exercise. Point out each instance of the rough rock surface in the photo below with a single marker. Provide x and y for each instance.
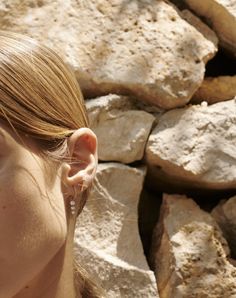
(216, 89)
(197, 144)
(107, 241)
(199, 25)
(122, 130)
(190, 254)
(225, 215)
(139, 47)
(221, 14)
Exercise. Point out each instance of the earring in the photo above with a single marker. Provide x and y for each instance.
(72, 206)
(72, 202)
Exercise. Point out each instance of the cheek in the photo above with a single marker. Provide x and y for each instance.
(32, 226)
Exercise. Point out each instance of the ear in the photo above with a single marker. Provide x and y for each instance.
(82, 145)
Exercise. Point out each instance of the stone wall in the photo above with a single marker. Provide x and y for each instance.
(161, 218)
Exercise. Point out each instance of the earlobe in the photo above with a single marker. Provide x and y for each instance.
(81, 170)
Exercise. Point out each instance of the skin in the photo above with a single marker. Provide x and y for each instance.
(36, 226)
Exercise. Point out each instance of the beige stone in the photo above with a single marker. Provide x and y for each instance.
(216, 89)
(199, 25)
(232, 261)
(221, 14)
(196, 145)
(190, 254)
(225, 215)
(137, 47)
(122, 130)
(107, 241)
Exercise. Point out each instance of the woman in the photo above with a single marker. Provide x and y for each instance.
(48, 159)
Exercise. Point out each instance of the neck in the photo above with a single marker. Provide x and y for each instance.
(56, 280)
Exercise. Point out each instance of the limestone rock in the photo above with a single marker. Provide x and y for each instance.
(180, 4)
(232, 261)
(190, 254)
(107, 241)
(196, 145)
(199, 25)
(216, 89)
(221, 14)
(225, 215)
(138, 47)
(122, 130)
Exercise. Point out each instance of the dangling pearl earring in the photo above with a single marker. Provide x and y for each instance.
(72, 202)
(72, 206)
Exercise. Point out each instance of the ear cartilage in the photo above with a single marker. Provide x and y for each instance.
(83, 187)
(72, 206)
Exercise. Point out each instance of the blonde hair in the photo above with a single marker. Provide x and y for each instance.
(39, 93)
(41, 98)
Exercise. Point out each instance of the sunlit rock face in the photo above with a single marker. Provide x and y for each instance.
(140, 47)
(189, 253)
(221, 15)
(121, 128)
(107, 241)
(225, 215)
(196, 145)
